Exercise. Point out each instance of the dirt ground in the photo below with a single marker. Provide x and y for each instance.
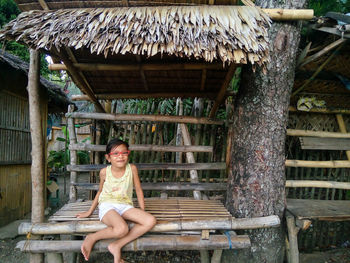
(8, 253)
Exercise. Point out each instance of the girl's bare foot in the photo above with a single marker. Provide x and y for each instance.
(115, 250)
(86, 247)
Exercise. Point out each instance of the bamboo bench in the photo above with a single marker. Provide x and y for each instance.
(301, 212)
(182, 224)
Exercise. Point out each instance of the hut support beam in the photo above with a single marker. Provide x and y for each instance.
(143, 95)
(37, 137)
(222, 92)
(320, 68)
(43, 4)
(292, 238)
(79, 80)
(73, 156)
(135, 67)
(142, 117)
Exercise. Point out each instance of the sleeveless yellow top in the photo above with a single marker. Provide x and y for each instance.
(117, 190)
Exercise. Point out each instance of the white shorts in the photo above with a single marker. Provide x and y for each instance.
(103, 208)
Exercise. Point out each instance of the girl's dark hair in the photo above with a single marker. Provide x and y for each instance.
(115, 143)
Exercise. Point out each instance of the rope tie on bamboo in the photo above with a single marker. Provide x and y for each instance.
(28, 237)
(227, 234)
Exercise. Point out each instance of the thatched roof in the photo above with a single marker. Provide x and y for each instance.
(57, 99)
(26, 5)
(233, 34)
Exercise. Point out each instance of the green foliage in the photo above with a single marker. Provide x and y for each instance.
(321, 7)
(58, 159)
(8, 11)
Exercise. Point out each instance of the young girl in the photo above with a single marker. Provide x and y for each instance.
(115, 203)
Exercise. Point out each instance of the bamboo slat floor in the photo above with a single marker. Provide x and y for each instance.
(167, 209)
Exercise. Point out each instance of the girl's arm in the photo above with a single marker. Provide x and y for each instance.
(95, 202)
(138, 188)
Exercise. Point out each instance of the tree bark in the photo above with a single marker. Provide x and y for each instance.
(257, 168)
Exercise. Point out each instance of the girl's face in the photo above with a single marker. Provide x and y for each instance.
(118, 156)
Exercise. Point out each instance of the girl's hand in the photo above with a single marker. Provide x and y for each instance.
(83, 215)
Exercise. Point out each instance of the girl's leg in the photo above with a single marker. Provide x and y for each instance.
(117, 228)
(143, 223)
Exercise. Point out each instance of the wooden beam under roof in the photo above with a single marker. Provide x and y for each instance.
(137, 67)
(78, 80)
(221, 95)
(112, 96)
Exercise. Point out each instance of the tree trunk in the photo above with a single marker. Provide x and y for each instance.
(36, 132)
(257, 167)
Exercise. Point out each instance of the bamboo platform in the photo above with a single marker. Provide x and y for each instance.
(162, 209)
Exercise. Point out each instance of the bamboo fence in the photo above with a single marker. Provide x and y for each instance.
(321, 234)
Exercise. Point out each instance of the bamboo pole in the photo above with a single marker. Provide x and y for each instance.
(145, 95)
(144, 147)
(221, 94)
(178, 136)
(145, 243)
(318, 184)
(320, 134)
(318, 164)
(171, 186)
(319, 69)
(81, 227)
(79, 80)
(279, 14)
(138, 67)
(142, 117)
(342, 129)
(37, 137)
(73, 156)
(190, 159)
(323, 51)
(153, 166)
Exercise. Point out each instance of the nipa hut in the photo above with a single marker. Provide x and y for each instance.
(138, 52)
(15, 142)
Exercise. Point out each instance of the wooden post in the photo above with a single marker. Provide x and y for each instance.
(178, 155)
(36, 132)
(73, 156)
(293, 238)
(342, 129)
(190, 159)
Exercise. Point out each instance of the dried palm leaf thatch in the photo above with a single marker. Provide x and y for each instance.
(231, 33)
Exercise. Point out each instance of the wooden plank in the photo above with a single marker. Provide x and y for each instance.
(153, 166)
(314, 143)
(167, 186)
(143, 147)
(330, 210)
(143, 117)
